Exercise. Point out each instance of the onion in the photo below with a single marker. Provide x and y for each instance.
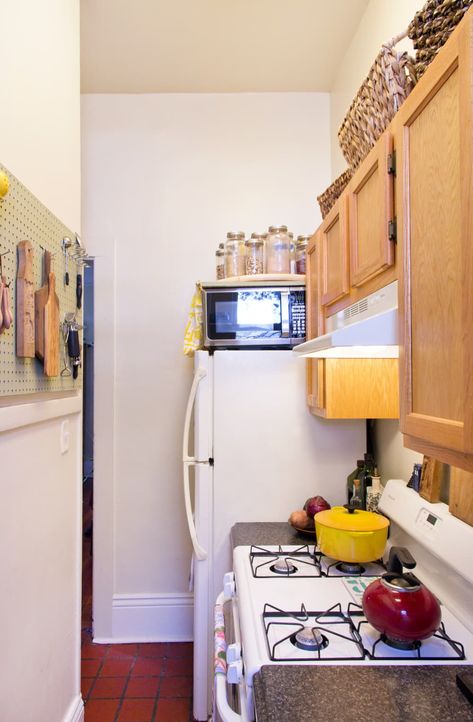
(315, 504)
(301, 520)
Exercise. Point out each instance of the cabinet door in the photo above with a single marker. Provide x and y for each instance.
(433, 139)
(315, 367)
(370, 211)
(334, 254)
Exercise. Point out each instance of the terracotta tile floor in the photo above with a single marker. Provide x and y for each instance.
(136, 682)
(131, 682)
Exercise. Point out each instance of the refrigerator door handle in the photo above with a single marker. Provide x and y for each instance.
(199, 550)
(188, 461)
(198, 376)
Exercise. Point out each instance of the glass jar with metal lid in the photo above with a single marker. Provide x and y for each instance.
(255, 253)
(220, 263)
(301, 253)
(292, 253)
(278, 259)
(235, 254)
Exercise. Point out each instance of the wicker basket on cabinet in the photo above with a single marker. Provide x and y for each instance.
(327, 199)
(387, 85)
(432, 26)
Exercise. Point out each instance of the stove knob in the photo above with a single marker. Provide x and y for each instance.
(235, 672)
(229, 585)
(233, 652)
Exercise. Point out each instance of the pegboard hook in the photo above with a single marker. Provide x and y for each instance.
(1, 262)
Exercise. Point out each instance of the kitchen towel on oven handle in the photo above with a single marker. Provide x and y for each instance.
(222, 712)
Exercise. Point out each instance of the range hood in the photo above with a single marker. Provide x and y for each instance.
(366, 329)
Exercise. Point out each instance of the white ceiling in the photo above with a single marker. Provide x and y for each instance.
(153, 46)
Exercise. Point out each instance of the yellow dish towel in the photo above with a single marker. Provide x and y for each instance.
(193, 333)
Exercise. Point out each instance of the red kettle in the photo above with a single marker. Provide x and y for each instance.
(398, 605)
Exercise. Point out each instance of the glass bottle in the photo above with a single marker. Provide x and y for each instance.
(235, 254)
(351, 479)
(220, 263)
(278, 258)
(301, 251)
(373, 492)
(254, 258)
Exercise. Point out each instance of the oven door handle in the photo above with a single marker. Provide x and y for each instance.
(226, 713)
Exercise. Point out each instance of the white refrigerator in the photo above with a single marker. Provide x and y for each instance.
(258, 454)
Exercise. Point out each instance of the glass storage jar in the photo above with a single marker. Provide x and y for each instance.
(278, 258)
(292, 253)
(220, 263)
(235, 254)
(301, 252)
(255, 253)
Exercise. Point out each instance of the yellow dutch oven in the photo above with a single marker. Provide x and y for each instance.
(351, 535)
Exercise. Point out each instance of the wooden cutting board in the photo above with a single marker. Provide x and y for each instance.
(25, 308)
(431, 476)
(51, 330)
(461, 494)
(40, 298)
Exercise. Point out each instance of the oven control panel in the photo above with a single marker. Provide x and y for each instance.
(431, 525)
(427, 522)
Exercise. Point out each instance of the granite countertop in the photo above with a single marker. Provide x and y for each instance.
(341, 693)
(268, 532)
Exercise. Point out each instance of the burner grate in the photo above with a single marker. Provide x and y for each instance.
(334, 633)
(447, 648)
(337, 569)
(296, 563)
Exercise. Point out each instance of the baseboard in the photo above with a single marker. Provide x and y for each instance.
(75, 713)
(151, 618)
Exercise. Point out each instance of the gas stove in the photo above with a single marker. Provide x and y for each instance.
(292, 605)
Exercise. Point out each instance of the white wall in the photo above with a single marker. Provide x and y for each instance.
(164, 178)
(40, 533)
(40, 101)
(40, 562)
(382, 20)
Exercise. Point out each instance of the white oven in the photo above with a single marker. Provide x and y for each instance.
(291, 605)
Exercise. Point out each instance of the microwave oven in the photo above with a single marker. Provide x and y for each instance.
(257, 315)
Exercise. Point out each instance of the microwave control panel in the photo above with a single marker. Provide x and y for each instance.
(298, 313)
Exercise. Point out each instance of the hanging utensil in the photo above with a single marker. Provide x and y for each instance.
(40, 299)
(6, 308)
(66, 244)
(25, 302)
(71, 337)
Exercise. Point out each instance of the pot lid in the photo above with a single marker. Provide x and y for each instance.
(338, 517)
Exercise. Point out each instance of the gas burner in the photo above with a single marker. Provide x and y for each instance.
(336, 568)
(304, 636)
(440, 646)
(309, 639)
(290, 562)
(399, 644)
(283, 566)
(352, 569)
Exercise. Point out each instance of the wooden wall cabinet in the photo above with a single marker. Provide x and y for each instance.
(370, 196)
(344, 388)
(433, 135)
(334, 257)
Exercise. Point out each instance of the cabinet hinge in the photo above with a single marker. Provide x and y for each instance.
(392, 230)
(392, 163)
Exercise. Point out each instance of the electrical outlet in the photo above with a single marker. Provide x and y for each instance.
(65, 437)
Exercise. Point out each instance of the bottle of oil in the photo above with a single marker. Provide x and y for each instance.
(351, 478)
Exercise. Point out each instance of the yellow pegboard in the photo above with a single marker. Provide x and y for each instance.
(23, 217)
